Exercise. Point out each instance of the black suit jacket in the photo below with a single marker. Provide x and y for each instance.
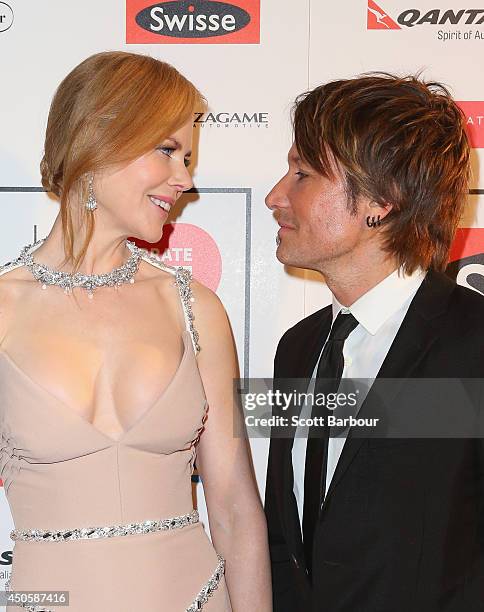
(402, 525)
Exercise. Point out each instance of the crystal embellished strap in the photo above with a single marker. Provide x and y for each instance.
(10, 265)
(183, 279)
(93, 533)
(212, 584)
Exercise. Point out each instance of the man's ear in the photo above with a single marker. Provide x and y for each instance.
(379, 209)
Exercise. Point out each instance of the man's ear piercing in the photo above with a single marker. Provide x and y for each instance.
(373, 222)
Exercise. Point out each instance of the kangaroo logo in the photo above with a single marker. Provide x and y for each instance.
(378, 19)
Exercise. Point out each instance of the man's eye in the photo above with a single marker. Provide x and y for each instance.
(187, 162)
(301, 175)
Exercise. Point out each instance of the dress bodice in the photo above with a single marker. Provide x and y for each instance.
(60, 471)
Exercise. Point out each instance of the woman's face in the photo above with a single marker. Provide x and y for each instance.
(135, 200)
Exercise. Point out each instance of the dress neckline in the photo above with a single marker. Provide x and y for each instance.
(78, 416)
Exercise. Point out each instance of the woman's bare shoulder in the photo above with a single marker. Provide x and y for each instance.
(13, 285)
(206, 301)
(210, 317)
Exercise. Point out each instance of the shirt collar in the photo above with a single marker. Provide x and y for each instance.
(383, 300)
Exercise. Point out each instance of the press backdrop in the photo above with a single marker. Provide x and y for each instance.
(250, 59)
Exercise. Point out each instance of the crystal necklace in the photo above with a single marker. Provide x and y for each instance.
(90, 282)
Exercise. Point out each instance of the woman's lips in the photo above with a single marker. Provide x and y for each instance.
(163, 202)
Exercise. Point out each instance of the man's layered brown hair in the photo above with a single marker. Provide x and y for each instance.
(396, 140)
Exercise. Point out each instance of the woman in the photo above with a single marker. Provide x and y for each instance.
(115, 380)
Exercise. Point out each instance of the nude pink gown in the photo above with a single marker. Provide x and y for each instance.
(60, 472)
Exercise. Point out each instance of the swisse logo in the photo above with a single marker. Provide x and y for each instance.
(193, 22)
(234, 120)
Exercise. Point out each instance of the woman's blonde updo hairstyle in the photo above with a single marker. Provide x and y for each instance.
(111, 109)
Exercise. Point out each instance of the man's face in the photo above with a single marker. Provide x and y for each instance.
(317, 225)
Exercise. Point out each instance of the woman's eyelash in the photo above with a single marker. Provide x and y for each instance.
(164, 149)
(170, 150)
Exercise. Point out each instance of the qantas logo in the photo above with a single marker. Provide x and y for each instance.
(192, 22)
(378, 18)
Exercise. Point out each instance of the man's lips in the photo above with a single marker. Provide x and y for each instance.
(284, 224)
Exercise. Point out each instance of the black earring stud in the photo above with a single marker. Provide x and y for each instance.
(372, 221)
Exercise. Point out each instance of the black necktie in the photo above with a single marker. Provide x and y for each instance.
(328, 377)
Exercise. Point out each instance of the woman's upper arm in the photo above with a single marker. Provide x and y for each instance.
(223, 459)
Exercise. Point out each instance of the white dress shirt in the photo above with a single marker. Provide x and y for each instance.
(379, 312)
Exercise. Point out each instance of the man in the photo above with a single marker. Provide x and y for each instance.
(377, 180)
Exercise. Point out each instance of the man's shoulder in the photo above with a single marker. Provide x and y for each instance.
(465, 322)
(468, 302)
(456, 317)
(307, 326)
(461, 307)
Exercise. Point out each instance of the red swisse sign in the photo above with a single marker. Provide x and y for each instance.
(195, 22)
(474, 112)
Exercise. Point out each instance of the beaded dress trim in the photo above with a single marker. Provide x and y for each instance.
(93, 533)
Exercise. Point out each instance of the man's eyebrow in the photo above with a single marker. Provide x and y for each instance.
(294, 157)
(178, 145)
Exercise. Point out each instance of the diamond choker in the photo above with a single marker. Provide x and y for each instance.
(89, 282)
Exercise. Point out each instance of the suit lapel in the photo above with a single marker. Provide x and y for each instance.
(418, 331)
(298, 370)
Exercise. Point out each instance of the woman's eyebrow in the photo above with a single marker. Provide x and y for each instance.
(178, 145)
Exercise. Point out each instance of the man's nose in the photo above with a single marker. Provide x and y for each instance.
(276, 196)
